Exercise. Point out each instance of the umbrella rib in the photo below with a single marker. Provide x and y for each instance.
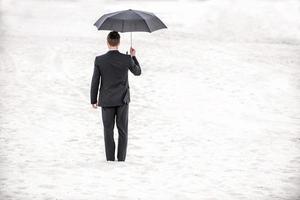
(123, 25)
(104, 20)
(144, 21)
(107, 17)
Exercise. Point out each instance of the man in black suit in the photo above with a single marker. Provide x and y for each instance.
(114, 96)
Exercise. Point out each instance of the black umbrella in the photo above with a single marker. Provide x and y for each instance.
(130, 21)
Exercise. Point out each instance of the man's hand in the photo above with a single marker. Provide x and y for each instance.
(95, 105)
(132, 51)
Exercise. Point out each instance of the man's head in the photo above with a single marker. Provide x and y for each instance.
(113, 39)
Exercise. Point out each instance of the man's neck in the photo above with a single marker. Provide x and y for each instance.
(113, 48)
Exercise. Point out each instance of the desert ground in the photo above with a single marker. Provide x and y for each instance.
(215, 114)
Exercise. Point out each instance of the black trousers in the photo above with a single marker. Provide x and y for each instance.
(110, 115)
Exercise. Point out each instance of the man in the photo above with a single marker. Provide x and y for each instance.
(114, 97)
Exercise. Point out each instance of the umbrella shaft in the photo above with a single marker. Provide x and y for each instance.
(130, 39)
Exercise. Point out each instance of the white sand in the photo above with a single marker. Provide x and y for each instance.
(214, 116)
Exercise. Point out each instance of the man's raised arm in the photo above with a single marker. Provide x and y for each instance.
(134, 66)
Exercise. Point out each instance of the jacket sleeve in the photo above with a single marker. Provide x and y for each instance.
(95, 83)
(134, 66)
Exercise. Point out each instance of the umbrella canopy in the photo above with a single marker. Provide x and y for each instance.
(130, 21)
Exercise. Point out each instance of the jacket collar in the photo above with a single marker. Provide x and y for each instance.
(113, 51)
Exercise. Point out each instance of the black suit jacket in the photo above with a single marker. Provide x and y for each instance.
(112, 69)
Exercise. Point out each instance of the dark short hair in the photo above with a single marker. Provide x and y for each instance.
(113, 38)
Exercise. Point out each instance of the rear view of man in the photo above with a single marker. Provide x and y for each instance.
(111, 69)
